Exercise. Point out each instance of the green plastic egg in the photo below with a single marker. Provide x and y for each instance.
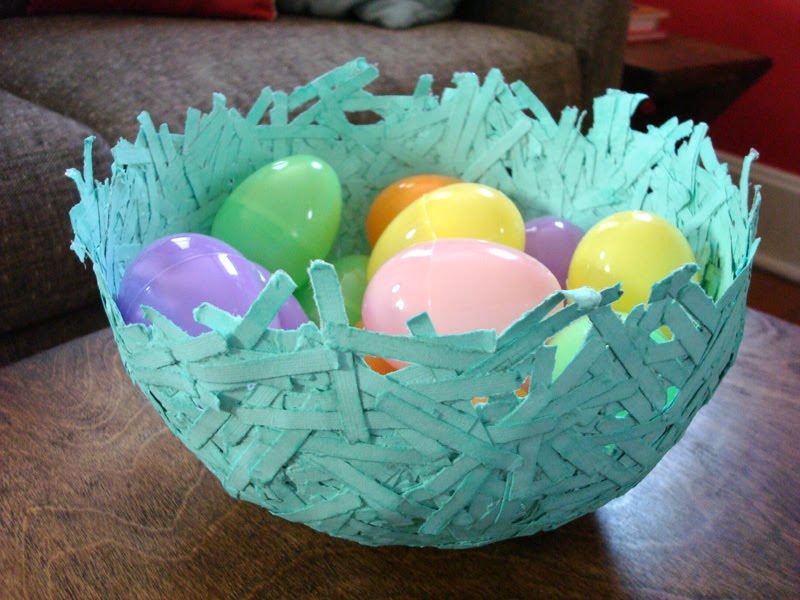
(284, 215)
(305, 296)
(352, 272)
(567, 342)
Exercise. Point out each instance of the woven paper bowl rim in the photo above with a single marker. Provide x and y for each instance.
(296, 422)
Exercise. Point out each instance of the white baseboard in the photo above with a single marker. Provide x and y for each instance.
(779, 221)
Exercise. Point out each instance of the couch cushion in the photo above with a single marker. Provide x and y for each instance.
(104, 70)
(40, 277)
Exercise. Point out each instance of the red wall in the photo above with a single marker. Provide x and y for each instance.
(767, 116)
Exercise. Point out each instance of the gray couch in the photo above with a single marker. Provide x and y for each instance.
(65, 78)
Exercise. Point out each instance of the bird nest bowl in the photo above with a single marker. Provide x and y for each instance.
(296, 422)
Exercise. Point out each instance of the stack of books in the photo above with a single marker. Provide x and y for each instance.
(645, 23)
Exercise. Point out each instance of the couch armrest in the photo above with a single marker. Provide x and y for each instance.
(596, 28)
(41, 279)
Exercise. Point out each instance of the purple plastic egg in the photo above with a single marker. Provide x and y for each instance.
(178, 273)
(552, 241)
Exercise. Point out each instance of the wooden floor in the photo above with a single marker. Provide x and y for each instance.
(775, 296)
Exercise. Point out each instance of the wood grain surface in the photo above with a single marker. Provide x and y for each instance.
(99, 500)
(680, 62)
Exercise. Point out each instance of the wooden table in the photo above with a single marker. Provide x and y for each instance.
(98, 499)
(688, 78)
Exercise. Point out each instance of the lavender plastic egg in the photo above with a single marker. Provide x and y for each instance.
(178, 273)
(552, 241)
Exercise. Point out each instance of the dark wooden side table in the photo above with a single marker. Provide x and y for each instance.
(688, 78)
(99, 500)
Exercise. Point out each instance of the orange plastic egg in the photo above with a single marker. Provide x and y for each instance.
(379, 365)
(393, 199)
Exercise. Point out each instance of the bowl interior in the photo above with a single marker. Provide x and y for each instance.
(296, 422)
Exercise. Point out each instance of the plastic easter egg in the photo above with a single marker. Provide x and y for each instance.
(284, 215)
(352, 272)
(379, 365)
(394, 198)
(635, 248)
(461, 210)
(463, 285)
(552, 241)
(305, 297)
(568, 342)
(177, 273)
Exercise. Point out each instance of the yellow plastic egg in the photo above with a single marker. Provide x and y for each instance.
(635, 248)
(461, 210)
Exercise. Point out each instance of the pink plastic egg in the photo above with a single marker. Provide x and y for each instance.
(463, 284)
